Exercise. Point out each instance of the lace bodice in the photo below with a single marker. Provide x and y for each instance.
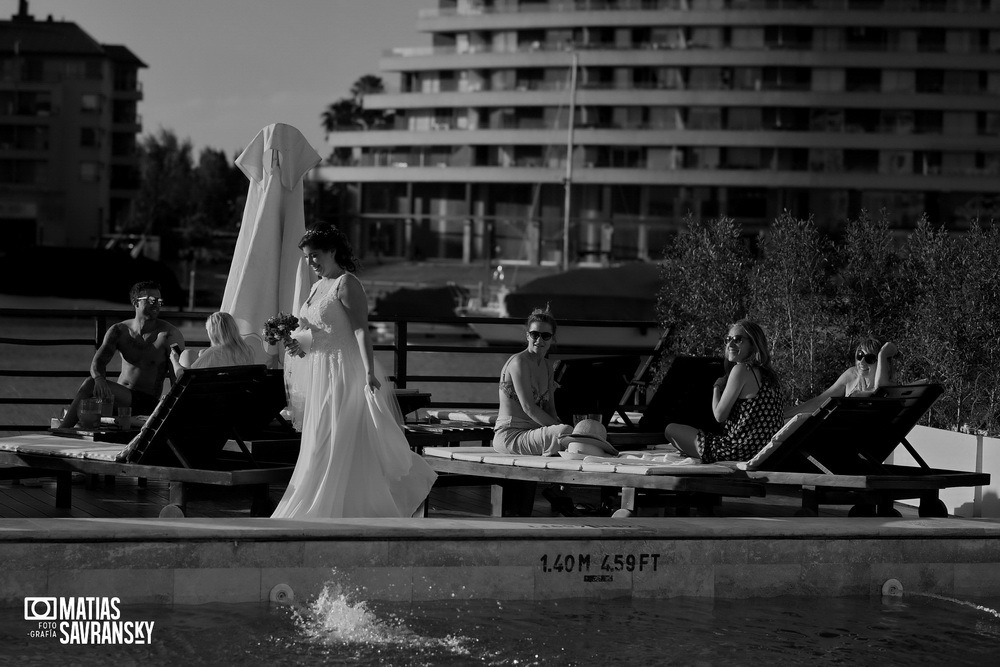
(324, 314)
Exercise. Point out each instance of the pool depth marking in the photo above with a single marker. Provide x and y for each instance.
(600, 563)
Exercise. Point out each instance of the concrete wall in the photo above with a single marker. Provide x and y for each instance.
(194, 561)
(966, 452)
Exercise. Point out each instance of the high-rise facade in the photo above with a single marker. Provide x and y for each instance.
(69, 169)
(743, 108)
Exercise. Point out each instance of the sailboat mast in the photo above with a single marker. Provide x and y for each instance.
(568, 180)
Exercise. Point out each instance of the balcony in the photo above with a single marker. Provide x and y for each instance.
(131, 123)
(569, 6)
(127, 90)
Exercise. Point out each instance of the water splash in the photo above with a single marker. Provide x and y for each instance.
(335, 618)
(978, 607)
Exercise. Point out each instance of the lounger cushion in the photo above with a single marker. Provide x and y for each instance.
(48, 445)
(624, 466)
(458, 415)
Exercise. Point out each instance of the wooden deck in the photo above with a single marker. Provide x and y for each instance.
(126, 498)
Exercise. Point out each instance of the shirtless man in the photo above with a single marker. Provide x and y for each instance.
(144, 343)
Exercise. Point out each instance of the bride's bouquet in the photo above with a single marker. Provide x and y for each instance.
(279, 328)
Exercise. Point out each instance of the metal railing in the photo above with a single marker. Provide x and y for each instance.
(401, 346)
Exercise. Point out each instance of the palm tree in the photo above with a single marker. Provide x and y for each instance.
(349, 113)
(341, 116)
(367, 85)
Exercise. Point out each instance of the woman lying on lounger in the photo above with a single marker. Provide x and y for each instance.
(227, 346)
(874, 367)
(746, 400)
(527, 422)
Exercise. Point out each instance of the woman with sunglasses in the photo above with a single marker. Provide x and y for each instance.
(746, 400)
(527, 422)
(873, 368)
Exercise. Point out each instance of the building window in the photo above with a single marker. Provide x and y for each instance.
(826, 120)
(90, 172)
(744, 118)
(828, 80)
(865, 161)
(88, 137)
(960, 82)
(703, 157)
(961, 164)
(959, 123)
(931, 40)
(704, 118)
(90, 103)
(867, 80)
(743, 158)
(897, 122)
(895, 162)
(747, 38)
(898, 81)
(866, 39)
(826, 159)
(94, 69)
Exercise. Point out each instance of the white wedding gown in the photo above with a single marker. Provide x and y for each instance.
(354, 460)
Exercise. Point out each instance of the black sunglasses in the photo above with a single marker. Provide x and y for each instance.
(733, 339)
(151, 300)
(868, 358)
(544, 335)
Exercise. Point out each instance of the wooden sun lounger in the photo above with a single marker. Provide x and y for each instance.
(837, 455)
(693, 486)
(446, 433)
(182, 442)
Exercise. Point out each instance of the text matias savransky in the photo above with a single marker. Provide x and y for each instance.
(85, 620)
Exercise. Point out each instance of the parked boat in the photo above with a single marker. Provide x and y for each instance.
(621, 293)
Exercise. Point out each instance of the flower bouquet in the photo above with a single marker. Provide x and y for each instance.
(279, 328)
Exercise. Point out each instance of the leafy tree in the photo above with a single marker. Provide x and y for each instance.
(329, 202)
(342, 115)
(792, 300)
(349, 114)
(950, 334)
(705, 285)
(219, 190)
(933, 293)
(872, 298)
(184, 203)
(370, 118)
(166, 178)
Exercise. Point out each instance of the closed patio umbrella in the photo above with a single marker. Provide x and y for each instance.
(268, 274)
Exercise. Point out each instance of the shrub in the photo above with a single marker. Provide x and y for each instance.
(705, 285)
(933, 293)
(791, 299)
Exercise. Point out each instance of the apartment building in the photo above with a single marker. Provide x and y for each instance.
(68, 126)
(743, 108)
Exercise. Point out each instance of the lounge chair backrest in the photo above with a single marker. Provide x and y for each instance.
(684, 396)
(593, 385)
(848, 436)
(203, 410)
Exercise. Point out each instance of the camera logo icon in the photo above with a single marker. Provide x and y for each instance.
(40, 609)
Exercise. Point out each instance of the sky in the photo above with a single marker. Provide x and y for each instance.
(220, 70)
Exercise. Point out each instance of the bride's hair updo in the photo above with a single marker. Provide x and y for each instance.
(330, 239)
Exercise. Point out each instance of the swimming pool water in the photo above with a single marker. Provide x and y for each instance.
(336, 630)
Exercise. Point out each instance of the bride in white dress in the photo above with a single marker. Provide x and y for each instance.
(354, 460)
